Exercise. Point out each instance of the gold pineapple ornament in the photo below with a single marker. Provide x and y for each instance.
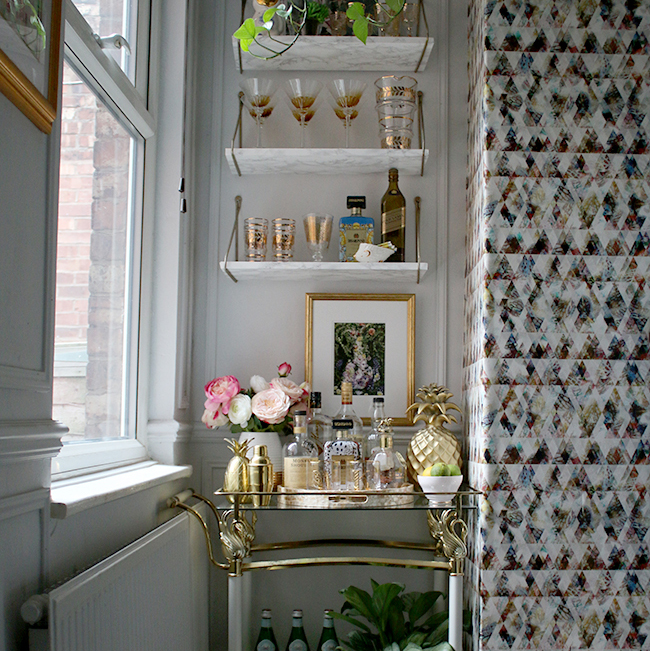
(433, 444)
(237, 477)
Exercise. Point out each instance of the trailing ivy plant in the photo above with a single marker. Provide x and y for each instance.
(297, 14)
(390, 621)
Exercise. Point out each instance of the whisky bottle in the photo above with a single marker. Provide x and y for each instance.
(347, 411)
(297, 638)
(319, 426)
(266, 638)
(354, 229)
(393, 217)
(328, 640)
(298, 453)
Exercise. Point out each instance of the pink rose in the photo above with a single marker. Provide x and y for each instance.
(220, 392)
(284, 369)
(271, 406)
(213, 419)
(292, 390)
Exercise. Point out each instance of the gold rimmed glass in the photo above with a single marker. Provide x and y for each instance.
(346, 95)
(258, 93)
(318, 231)
(302, 94)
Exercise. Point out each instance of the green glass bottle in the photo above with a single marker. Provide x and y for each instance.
(297, 638)
(266, 638)
(393, 217)
(328, 640)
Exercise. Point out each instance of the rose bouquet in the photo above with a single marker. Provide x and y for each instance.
(264, 407)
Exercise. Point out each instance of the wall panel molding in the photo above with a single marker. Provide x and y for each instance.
(22, 440)
(11, 507)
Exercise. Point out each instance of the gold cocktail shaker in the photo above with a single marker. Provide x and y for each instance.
(260, 471)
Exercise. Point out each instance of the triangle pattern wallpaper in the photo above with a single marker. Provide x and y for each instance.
(557, 350)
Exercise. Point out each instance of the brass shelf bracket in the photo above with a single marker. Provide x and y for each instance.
(450, 534)
(233, 237)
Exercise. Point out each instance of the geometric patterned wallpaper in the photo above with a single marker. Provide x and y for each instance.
(557, 350)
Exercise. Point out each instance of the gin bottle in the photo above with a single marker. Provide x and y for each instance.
(347, 411)
(266, 638)
(377, 416)
(297, 638)
(319, 426)
(298, 453)
(354, 229)
(328, 640)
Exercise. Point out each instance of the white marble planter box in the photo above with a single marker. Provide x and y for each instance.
(398, 272)
(325, 161)
(397, 54)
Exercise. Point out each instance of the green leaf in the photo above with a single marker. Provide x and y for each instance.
(395, 5)
(439, 634)
(396, 625)
(422, 605)
(363, 641)
(247, 30)
(356, 11)
(443, 646)
(236, 429)
(382, 602)
(436, 621)
(360, 29)
(269, 13)
(351, 620)
(362, 602)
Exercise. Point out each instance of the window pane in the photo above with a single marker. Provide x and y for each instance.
(108, 17)
(93, 266)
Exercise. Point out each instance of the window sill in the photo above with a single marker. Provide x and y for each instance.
(71, 496)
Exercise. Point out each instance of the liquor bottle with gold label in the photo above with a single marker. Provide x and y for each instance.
(354, 229)
(298, 454)
(393, 217)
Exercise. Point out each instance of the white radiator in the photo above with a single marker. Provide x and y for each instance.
(150, 596)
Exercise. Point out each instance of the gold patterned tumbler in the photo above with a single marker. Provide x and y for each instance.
(255, 237)
(284, 236)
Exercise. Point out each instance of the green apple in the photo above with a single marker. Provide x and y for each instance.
(454, 470)
(439, 470)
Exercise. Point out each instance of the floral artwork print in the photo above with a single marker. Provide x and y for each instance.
(359, 357)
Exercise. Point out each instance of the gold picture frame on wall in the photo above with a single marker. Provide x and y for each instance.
(30, 34)
(368, 339)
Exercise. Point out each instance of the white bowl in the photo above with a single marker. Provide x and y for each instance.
(440, 490)
(373, 253)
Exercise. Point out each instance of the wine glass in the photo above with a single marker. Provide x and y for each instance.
(346, 94)
(318, 230)
(302, 94)
(257, 100)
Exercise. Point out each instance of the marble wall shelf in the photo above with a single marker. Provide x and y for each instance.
(397, 54)
(398, 272)
(325, 161)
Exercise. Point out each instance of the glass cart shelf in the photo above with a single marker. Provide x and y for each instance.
(399, 54)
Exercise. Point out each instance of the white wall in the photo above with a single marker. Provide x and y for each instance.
(251, 327)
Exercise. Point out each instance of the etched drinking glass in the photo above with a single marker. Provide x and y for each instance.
(302, 94)
(318, 230)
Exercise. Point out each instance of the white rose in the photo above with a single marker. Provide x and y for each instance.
(271, 406)
(293, 391)
(258, 383)
(240, 410)
(213, 419)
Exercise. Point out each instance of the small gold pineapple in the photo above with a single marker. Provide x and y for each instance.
(433, 444)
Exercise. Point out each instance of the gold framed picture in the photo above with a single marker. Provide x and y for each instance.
(368, 340)
(30, 33)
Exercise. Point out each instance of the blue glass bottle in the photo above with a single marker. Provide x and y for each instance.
(354, 229)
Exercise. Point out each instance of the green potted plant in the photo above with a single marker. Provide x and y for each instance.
(390, 621)
(317, 14)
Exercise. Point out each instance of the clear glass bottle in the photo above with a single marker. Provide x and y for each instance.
(342, 457)
(393, 217)
(297, 638)
(384, 467)
(328, 640)
(298, 453)
(319, 425)
(377, 415)
(266, 639)
(354, 229)
(347, 411)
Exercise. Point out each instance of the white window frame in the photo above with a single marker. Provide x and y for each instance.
(130, 103)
